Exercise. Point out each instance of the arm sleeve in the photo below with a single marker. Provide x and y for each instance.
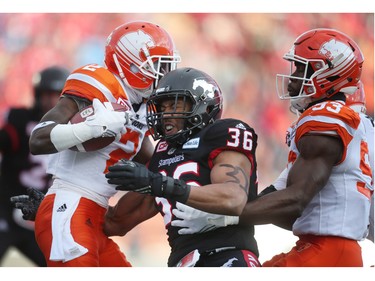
(280, 182)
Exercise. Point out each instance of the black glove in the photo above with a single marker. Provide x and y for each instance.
(132, 176)
(28, 204)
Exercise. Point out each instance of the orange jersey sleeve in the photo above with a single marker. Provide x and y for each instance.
(94, 81)
(329, 118)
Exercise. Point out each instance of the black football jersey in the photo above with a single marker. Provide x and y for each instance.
(192, 163)
(19, 168)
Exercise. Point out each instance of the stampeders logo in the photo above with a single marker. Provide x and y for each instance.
(168, 162)
(208, 89)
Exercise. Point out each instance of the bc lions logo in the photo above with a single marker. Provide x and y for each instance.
(208, 89)
(333, 48)
(139, 40)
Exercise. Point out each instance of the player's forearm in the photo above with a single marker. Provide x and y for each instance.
(131, 209)
(226, 199)
(273, 208)
(58, 137)
(40, 141)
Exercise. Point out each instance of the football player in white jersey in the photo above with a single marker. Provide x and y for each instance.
(68, 224)
(328, 191)
(357, 101)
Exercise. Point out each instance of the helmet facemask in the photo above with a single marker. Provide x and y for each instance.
(157, 118)
(307, 89)
(156, 66)
(152, 68)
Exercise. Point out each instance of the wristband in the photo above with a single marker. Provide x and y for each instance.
(64, 136)
(175, 189)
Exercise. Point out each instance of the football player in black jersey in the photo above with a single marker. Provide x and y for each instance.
(201, 161)
(20, 169)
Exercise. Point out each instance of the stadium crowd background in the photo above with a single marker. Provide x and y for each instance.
(242, 51)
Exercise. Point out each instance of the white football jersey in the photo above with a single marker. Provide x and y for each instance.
(341, 207)
(369, 127)
(85, 171)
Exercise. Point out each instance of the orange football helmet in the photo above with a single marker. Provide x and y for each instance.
(357, 101)
(333, 63)
(140, 53)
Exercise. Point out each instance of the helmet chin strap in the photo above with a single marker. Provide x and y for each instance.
(134, 96)
(120, 72)
(301, 103)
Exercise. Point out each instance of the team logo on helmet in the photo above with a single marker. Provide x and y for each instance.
(131, 43)
(208, 89)
(332, 49)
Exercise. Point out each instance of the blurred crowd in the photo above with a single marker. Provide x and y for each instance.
(242, 51)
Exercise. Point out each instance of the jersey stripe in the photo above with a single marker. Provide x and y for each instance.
(99, 88)
(94, 81)
(330, 123)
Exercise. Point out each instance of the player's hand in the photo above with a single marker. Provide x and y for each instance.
(133, 176)
(105, 122)
(194, 221)
(28, 204)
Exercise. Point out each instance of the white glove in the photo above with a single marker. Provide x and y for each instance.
(105, 122)
(196, 221)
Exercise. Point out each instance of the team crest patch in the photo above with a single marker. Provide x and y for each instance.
(162, 146)
(193, 143)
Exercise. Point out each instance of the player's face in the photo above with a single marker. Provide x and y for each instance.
(173, 120)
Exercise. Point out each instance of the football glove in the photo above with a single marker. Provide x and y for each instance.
(105, 122)
(133, 176)
(194, 221)
(28, 204)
